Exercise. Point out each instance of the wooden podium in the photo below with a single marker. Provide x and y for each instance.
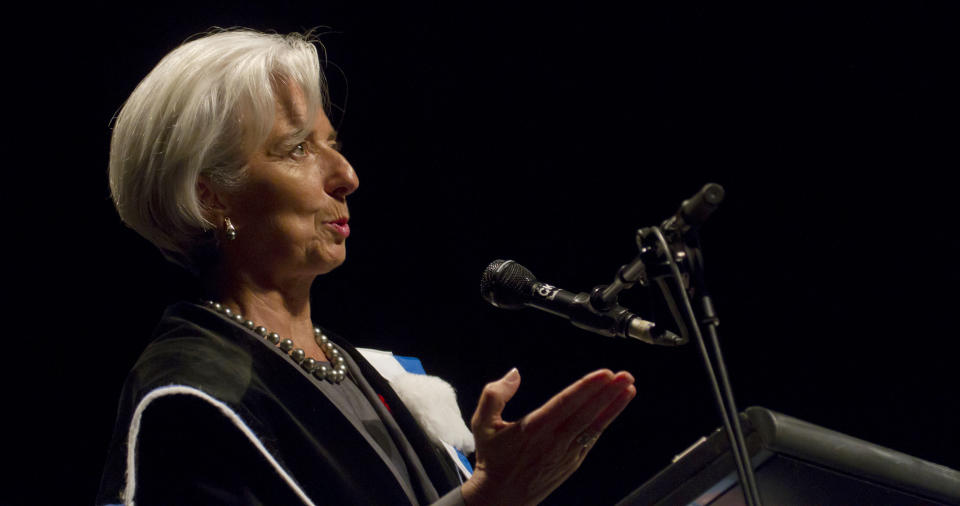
(798, 463)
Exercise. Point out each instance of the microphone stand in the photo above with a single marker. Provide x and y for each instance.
(664, 257)
(655, 247)
(661, 252)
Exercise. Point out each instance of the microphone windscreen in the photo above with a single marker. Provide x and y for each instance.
(698, 208)
(506, 284)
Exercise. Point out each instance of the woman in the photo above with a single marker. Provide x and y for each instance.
(224, 158)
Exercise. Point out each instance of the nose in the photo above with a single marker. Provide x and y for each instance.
(343, 179)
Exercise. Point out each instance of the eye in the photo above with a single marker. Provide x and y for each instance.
(299, 151)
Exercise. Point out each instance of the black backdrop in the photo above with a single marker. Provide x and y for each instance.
(546, 135)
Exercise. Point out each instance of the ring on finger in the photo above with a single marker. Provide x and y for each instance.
(587, 438)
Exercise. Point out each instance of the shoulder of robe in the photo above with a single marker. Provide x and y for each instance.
(193, 346)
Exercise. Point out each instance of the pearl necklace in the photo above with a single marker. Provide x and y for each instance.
(334, 373)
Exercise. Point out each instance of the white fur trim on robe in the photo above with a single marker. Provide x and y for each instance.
(432, 401)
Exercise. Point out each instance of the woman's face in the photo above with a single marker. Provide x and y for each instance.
(291, 214)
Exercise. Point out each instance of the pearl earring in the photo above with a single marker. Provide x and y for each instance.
(231, 231)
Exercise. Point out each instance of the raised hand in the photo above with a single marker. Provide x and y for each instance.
(520, 463)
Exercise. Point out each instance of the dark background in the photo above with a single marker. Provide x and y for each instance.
(547, 135)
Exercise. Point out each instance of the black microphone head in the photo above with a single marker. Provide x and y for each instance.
(698, 208)
(506, 284)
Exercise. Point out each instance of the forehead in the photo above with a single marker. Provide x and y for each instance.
(293, 111)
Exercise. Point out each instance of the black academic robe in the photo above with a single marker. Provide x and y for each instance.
(212, 413)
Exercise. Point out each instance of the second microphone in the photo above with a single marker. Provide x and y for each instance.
(509, 285)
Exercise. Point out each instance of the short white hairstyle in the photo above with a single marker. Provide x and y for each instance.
(201, 111)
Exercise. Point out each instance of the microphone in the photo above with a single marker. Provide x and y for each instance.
(695, 210)
(509, 285)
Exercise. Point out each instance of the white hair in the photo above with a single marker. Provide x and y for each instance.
(201, 111)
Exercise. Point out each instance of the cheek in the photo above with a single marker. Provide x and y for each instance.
(294, 214)
(281, 229)
(292, 188)
(287, 214)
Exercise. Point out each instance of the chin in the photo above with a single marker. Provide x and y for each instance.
(330, 260)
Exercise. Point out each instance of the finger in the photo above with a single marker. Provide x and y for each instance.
(584, 442)
(494, 397)
(613, 410)
(582, 445)
(558, 409)
(583, 418)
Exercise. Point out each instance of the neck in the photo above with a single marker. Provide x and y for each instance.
(281, 307)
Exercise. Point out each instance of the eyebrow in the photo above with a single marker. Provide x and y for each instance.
(292, 136)
(302, 133)
(295, 136)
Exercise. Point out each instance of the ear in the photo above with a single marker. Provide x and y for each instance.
(212, 200)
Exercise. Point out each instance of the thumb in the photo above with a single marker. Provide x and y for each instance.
(493, 399)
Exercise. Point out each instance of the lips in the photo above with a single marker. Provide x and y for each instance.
(341, 226)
